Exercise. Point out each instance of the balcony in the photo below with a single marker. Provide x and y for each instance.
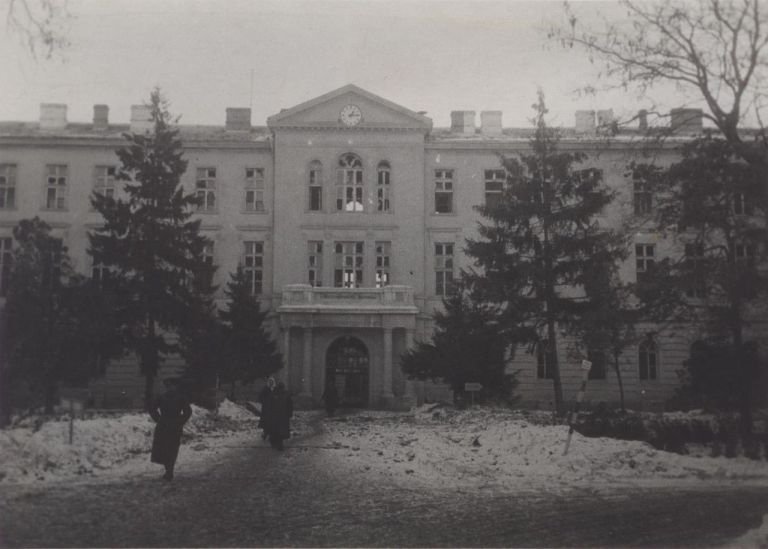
(305, 298)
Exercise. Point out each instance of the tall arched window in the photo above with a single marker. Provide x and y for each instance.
(545, 360)
(349, 184)
(383, 187)
(315, 186)
(648, 359)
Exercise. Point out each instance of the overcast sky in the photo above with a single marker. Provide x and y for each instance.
(207, 55)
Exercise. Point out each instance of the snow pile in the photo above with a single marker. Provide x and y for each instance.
(486, 447)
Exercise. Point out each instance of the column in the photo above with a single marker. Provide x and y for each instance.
(286, 354)
(386, 390)
(410, 386)
(306, 367)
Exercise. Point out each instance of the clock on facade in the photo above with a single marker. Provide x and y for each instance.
(351, 115)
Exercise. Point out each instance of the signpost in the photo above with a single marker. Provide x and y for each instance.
(586, 366)
(472, 388)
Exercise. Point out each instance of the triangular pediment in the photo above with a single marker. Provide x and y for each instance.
(325, 112)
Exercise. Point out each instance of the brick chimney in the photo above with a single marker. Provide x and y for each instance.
(141, 118)
(53, 116)
(490, 122)
(238, 119)
(642, 119)
(686, 120)
(463, 122)
(585, 121)
(100, 117)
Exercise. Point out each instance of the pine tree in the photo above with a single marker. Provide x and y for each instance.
(538, 242)
(150, 242)
(464, 348)
(249, 351)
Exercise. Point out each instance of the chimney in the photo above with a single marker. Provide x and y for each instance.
(605, 119)
(238, 119)
(463, 122)
(53, 116)
(585, 121)
(100, 117)
(642, 119)
(490, 122)
(141, 118)
(686, 120)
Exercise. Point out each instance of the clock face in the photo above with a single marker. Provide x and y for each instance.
(351, 115)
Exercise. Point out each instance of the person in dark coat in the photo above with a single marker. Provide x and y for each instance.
(170, 412)
(265, 398)
(331, 398)
(279, 420)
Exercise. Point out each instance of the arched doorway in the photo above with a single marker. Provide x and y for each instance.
(347, 365)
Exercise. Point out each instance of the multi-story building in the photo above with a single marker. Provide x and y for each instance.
(349, 214)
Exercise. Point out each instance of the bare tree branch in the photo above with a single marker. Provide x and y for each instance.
(41, 25)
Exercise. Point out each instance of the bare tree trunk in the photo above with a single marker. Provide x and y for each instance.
(618, 378)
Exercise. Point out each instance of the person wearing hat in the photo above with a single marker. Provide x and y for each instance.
(170, 412)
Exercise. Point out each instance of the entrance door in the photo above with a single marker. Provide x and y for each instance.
(346, 365)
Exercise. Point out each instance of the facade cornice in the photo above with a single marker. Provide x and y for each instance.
(335, 127)
(116, 143)
(563, 145)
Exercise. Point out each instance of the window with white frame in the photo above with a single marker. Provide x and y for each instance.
(349, 184)
(443, 268)
(348, 265)
(648, 359)
(104, 180)
(56, 182)
(694, 263)
(205, 189)
(100, 273)
(443, 191)
(52, 263)
(254, 189)
(740, 204)
(383, 187)
(315, 186)
(744, 254)
(253, 265)
(545, 360)
(645, 257)
(642, 197)
(7, 186)
(6, 259)
(383, 252)
(315, 263)
(494, 187)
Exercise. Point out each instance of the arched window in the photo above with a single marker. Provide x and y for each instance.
(648, 359)
(349, 184)
(315, 186)
(383, 187)
(545, 360)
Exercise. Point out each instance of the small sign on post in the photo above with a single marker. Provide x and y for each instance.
(472, 388)
(586, 366)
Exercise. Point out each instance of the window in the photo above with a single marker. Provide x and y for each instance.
(205, 189)
(56, 187)
(494, 187)
(348, 265)
(545, 360)
(254, 189)
(104, 181)
(647, 359)
(383, 251)
(642, 197)
(741, 205)
(694, 259)
(315, 263)
(52, 263)
(644, 260)
(6, 258)
(100, 273)
(592, 176)
(443, 191)
(383, 187)
(349, 185)
(443, 269)
(597, 358)
(7, 186)
(315, 186)
(744, 254)
(254, 265)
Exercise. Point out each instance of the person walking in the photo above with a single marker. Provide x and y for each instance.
(330, 397)
(170, 412)
(265, 398)
(280, 416)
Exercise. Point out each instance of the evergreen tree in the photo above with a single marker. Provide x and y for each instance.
(708, 203)
(539, 241)
(249, 352)
(465, 347)
(150, 242)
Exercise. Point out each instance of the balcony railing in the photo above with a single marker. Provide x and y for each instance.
(304, 295)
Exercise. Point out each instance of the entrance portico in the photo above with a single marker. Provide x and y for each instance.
(316, 323)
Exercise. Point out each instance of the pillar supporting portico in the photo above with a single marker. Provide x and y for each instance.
(306, 365)
(386, 388)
